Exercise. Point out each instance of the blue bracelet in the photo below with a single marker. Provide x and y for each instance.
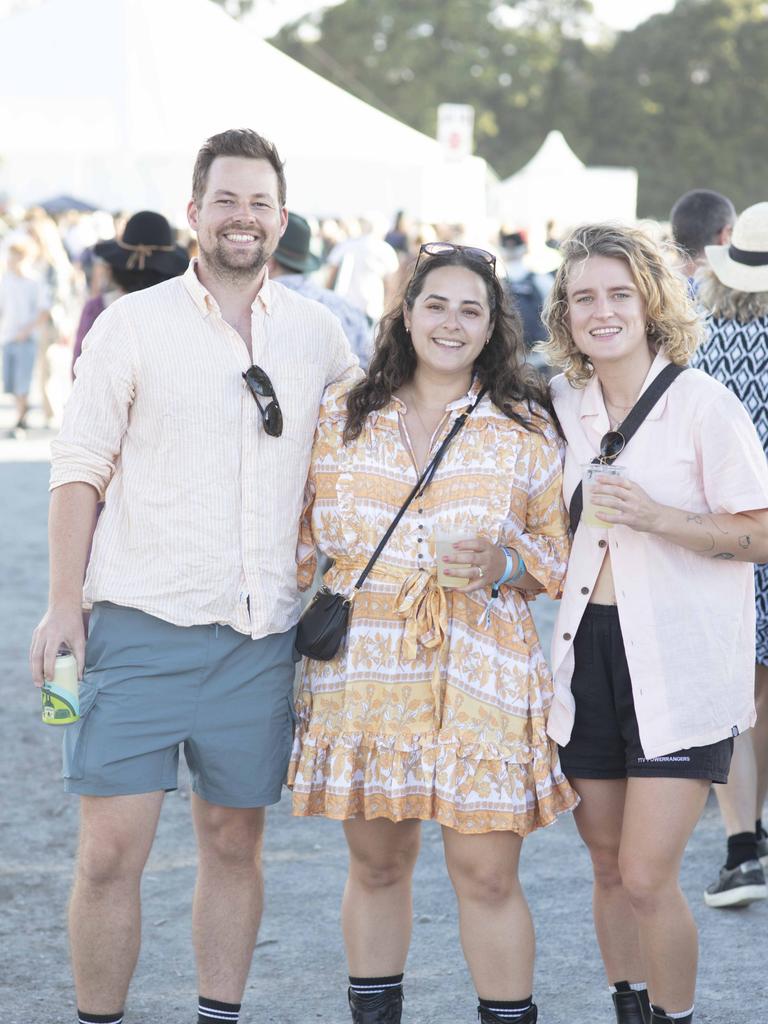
(520, 571)
(505, 576)
(508, 576)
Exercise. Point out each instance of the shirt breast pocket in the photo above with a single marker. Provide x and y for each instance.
(300, 403)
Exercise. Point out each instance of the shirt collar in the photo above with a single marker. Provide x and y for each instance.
(593, 406)
(206, 303)
(455, 405)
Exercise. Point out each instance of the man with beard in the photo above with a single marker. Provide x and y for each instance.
(192, 418)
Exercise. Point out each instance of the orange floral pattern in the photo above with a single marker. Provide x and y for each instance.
(424, 712)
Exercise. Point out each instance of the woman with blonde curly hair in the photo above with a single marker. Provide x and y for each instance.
(651, 656)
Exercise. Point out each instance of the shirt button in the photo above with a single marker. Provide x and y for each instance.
(566, 636)
(420, 511)
(421, 526)
(601, 543)
(585, 590)
(419, 539)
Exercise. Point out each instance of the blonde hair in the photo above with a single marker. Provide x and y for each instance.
(673, 326)
(722, 301)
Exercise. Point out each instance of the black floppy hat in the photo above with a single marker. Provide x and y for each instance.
(293, 251)
(147, 244)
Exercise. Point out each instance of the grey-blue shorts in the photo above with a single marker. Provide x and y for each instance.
(18, 364)
(150, 686)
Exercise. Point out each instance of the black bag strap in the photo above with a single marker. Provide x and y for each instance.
(627, 429)
(421, 484)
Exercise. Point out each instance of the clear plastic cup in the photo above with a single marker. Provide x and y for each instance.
(589, 474)
(444, 541)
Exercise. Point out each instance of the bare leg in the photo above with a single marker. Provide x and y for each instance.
(229, 896)
(738, 798)
(495, 923)
(116, 835)
(760, 735)
(22, 407)
(659, 817)
(599, 819)
(377, 911)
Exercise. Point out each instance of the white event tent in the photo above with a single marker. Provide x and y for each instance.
(556, 185)
(109, 100)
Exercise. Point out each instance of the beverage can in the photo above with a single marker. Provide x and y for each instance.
(60, 695)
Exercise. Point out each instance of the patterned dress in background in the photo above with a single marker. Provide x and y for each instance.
(736, 354)
(425, 713)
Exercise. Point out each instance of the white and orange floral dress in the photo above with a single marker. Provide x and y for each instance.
(427, 711)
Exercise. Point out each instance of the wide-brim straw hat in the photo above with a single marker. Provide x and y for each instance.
(147, 244)
(743, 265)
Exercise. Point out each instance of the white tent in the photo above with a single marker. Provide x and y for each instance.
(556, 185)
(110, 99)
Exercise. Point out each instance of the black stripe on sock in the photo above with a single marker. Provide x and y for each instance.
(495, 1005)
(394, 979)
(209, 1010)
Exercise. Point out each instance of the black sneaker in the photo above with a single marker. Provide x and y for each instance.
(737, 887)
(762, 851)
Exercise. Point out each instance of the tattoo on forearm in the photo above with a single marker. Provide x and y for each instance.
(695, 519)
(745, 541)
(725, 555)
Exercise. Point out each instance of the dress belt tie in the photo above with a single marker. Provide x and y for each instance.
(422, 603)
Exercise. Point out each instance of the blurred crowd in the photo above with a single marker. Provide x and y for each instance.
(60, 268)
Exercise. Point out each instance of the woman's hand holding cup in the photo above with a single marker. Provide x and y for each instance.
(477, 561)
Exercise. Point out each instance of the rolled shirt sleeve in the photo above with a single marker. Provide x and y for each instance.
(733, 463)
(97, 413)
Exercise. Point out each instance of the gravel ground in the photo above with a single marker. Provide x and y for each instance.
(298, 973)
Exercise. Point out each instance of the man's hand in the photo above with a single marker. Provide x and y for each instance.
(60, 626)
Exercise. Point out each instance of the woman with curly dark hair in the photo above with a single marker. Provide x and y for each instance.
(435, 706)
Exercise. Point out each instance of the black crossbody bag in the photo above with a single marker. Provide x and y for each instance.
(324, 621)
(626, 431)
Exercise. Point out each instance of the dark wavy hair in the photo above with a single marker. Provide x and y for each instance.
(501, 366)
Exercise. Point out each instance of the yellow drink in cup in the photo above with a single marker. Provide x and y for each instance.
(589, 476)
(444, 541)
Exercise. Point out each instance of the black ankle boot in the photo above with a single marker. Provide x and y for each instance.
(386, 1008)
(631, 1006)
(658, 1016)
(485, 1016)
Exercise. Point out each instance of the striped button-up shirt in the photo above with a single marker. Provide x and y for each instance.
(202, 507)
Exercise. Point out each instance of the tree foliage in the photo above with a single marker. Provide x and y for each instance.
(682, 97)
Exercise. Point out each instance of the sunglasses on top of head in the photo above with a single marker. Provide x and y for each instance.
(260, 386)
(447, 248)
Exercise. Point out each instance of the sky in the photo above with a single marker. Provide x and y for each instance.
(616, 14)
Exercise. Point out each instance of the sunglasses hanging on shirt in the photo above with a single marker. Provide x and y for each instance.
(260, 386)
(613, 443)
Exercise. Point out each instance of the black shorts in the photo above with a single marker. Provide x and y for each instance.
(605, 742)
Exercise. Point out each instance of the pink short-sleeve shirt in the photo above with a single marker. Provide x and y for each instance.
(688, 620)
